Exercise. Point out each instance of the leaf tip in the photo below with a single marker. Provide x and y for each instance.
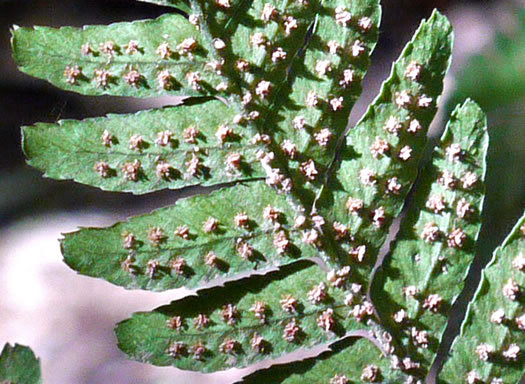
(441, 21)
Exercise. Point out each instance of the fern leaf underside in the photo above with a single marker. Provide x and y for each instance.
(271, 86)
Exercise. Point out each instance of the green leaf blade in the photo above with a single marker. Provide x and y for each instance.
(54, 54)
(180, 146)
(379, 162)
(153, 251)
(18, 365)
(420, 280)
(147, 336)
(484, 327)
(351, 359)
(335, 61)
(257, 43)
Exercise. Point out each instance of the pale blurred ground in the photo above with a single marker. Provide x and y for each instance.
(68, 319)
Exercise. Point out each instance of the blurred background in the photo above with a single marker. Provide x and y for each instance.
(68, 319)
